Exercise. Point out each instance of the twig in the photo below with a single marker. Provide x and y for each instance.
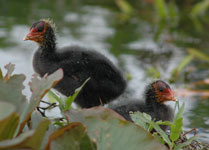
(194, 129)
(42, 113)
(50, 106)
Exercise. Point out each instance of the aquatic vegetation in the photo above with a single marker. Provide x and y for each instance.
(21, 125)
(95, 128)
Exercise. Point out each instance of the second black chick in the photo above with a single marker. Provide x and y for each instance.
(156, 94)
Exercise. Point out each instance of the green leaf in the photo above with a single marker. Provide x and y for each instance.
(8, 120)
(144, 120)
(161, 8)
(147, 116)
(162, 134)
(200, 8)
(176, 127)
(159, 138)
(54, 98)
(124, 6)
(176, 105)
(182, 65)
(110, 131)
(31, 139)
(139, 119)
(70, 99)
(180, 112)
(72, 137)
(173, 12)
(197, 54)
(167, 123)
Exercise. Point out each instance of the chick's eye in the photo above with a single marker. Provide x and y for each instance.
(40, 27)
(160, 89)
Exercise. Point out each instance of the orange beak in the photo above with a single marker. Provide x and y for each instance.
(170, 96)
(30, 35)
(173, 98)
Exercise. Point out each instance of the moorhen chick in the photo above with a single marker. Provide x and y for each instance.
(156, 94)
(78, 64)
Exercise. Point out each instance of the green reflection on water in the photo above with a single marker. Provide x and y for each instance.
(200, 115)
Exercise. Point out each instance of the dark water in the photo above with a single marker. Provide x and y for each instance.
(141, 46)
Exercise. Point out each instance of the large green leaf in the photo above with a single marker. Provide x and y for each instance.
(30, 140)
(70, 137)
(8, 120)
(110, 131)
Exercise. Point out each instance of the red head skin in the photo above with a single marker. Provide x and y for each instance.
(164, 94)
(35, 34)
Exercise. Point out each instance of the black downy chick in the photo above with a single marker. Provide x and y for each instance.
(106, 82)
(156, 94)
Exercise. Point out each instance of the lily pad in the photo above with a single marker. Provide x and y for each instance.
(110, 131)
